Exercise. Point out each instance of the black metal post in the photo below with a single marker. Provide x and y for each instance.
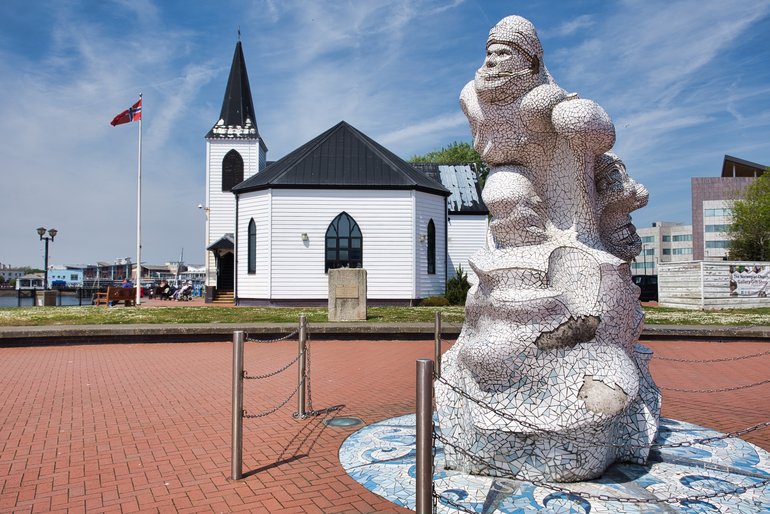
(45, 268)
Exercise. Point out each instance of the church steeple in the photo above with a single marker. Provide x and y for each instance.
(237, 117)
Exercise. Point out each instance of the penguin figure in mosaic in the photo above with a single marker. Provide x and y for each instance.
(547, 379)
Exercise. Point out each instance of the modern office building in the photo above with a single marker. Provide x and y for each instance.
(708, 237)
(664, 241)
(712, 200)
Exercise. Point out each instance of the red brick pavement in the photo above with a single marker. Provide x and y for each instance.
(146, 428)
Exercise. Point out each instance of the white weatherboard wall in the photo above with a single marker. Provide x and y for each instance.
(427, 207)
(291, 269)
(221, 204)
(467, 235)
(254, 205)
(708, 285)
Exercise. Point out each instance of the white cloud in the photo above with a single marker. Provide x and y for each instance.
(569, 27)
(432, 127)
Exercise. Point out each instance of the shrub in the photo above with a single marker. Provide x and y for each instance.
(434, 301)
(457, 288)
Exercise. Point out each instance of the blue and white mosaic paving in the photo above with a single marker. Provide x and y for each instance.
(381, 457)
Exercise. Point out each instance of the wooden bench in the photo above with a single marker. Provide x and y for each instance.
(116, 295)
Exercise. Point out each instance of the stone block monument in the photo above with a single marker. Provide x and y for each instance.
(347, 294)
(547, 380)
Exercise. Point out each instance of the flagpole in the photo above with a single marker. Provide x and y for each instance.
(139, 216)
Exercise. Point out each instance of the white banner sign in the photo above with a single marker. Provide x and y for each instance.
(749, 281)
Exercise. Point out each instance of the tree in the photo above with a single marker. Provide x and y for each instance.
(455, 153)
(457, 288)
(750, 228)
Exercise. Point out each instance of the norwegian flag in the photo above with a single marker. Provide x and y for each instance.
(134, 113)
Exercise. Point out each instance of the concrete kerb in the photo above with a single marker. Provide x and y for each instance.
(199, 332)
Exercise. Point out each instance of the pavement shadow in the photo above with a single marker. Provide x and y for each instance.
(303, 442)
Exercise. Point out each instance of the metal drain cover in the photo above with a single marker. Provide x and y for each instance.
(342, 421)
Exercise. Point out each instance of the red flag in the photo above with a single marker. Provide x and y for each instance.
(134, 113)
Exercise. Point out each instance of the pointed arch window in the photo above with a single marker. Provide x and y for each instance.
(344, 243)
(431, 248)
(252, 251)
(232, 170)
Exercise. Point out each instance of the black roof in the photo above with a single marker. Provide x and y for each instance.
(741, 167)
(462, 181)
(237, 118)
(226, 242)
(341, 158)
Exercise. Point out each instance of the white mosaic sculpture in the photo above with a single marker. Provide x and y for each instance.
(549, 350)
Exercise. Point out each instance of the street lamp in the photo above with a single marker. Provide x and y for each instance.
(52, 233)
(644, 255)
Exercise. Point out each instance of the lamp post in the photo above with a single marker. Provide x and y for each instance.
(644, 254)
(52, 233)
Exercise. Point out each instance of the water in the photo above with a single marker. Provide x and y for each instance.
(27, 301)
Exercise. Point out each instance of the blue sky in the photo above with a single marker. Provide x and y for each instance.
(685, 83)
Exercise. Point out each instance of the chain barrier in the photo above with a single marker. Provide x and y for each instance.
(578, 439)
(446, 501)
(604, 497)
(734, 388)
(305, 353)
(723, 359)
(246, 376)
(264, 341)
(246, 415)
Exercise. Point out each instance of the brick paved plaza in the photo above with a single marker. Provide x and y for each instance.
(146, 427)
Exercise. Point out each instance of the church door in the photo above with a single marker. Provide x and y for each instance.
(225, 273)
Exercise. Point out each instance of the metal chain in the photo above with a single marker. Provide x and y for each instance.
(271, 374)
(604, 497)
(433, 453)
(735, 388)
(282, 338)
(446, 501)
(707, 440)
(578, 439)
(246, 415)
(724, 359)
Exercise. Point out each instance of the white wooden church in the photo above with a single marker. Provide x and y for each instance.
(273, 230)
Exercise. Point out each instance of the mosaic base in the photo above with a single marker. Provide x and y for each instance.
(381, 457)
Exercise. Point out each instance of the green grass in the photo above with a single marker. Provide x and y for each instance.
(88, 315)
(31, 316)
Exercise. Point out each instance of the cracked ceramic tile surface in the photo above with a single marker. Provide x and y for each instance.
(549, 351)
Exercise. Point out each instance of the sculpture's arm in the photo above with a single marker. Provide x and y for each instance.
(585, 123)
(469, 103)
(537, 105)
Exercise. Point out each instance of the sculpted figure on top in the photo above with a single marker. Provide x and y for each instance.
(550, 342)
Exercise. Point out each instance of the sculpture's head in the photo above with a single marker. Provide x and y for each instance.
(617, 196)
(513, 64)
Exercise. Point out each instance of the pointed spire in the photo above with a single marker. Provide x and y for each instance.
(237, 117)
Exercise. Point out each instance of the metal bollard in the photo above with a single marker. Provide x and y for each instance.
(236, 458)
(437, 342)
(424, 436)
(302, 362)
